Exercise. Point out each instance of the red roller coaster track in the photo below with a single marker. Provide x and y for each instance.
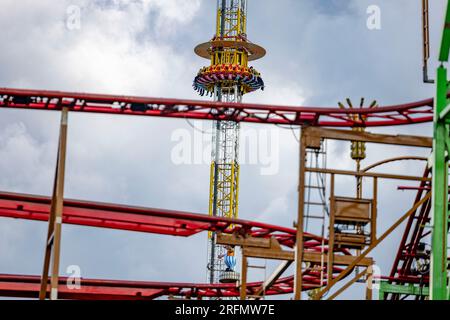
(405, 269)
(147, 220)
(415, 112)
(175, 223)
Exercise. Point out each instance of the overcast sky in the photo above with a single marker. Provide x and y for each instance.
(319, 53)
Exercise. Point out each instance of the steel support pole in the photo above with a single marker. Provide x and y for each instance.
(374, 216)
(369, 283)
(243, 291)
(301, 206)
(439, 289)
(53, 243)
(438, 282)
(331, 236)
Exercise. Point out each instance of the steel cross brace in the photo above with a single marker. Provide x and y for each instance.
(410, 289)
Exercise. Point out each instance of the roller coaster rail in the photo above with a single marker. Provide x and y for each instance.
(402, 114)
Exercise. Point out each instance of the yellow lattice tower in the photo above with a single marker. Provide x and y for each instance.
(227, 79)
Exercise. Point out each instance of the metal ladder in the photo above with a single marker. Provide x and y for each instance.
(316, 207)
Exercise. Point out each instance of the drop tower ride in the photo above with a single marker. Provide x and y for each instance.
(226, 79)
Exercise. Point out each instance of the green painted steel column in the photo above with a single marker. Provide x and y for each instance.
(438, 275)
(381, 294)
(438, 282)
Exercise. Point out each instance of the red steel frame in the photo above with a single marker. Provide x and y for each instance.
(157, 221)
(413, 235)
(415, 112)
(21, 286)
(175, 223)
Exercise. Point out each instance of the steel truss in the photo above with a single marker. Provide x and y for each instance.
(402, 114)
(148, 220)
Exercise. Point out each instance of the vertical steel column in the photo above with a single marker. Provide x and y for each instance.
(439, 263)
(373, 221)
(53, 243)
(426, 39)
(331, 236)
(243, 291)
(369, 283)
(301, 206)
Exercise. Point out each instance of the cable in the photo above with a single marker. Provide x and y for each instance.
(195, 128)
(289, 128)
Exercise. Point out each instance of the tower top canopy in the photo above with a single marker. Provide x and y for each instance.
(206, 50)
(229, 53)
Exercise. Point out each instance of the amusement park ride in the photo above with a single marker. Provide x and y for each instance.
(227, 79)
(420, 269)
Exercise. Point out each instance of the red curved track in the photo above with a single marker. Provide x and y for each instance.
(172, 222)
(415, 112)
(157, 221)
(403, 270)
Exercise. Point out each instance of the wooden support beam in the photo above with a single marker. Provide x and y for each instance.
(235, 240)
(347, 285)
(274, 277)
(357, 136)
(373, 223)
(314, 257)
(338, 260)
(269, 254)
(298, 276)
(243, 291)
(369, 283)
(367, 174)
(331, 231)
(53, 243)
(371, 247)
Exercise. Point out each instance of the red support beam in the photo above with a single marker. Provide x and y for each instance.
(166, 222)
(131, 218)
(140, 219)
(24, 286)
(402, 270)
(415, 112)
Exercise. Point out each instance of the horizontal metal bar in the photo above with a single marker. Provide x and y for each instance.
(368, 174)
(315, 217)
(349, 135)
(256, 267)
(404, 289)
(316, 203)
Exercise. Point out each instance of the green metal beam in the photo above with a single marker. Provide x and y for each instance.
(445, 45)
(439, 288)
(439, 262)
(411, 290)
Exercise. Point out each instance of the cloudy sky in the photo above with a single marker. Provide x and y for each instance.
(319, 53)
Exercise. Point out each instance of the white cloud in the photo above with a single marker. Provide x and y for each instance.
(24, 161)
